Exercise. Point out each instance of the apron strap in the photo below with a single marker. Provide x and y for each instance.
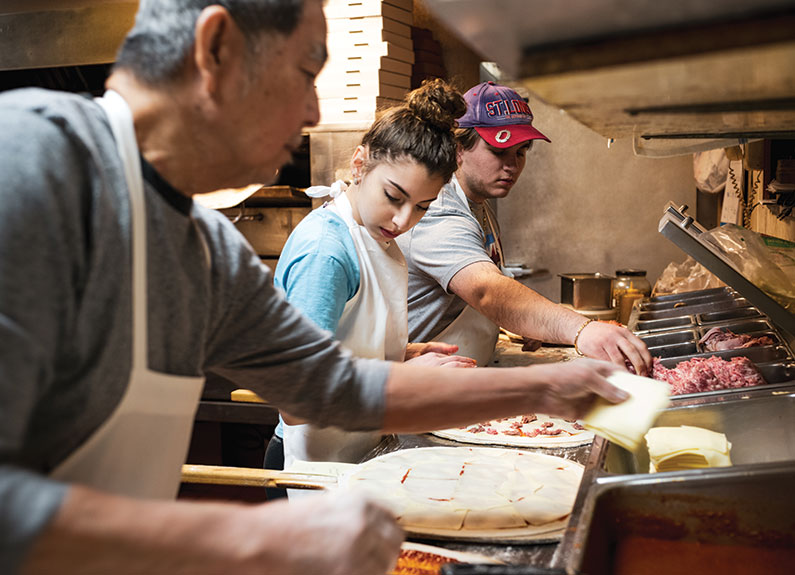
(121, 124)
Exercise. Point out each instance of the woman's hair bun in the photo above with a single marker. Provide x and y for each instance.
(437, 103)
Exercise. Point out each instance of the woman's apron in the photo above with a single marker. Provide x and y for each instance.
(374, 324)
(473, 333)
(139, 450)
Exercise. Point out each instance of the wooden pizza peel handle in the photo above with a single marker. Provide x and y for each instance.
(250, 477)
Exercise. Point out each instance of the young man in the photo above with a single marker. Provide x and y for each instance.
(458, 292)
(114, 308)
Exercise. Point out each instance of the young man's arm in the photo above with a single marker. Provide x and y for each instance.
(519, 309)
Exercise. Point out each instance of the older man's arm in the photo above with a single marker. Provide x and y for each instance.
(521, 310)
(336, 534)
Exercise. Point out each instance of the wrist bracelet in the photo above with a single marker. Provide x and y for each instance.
(577, 336)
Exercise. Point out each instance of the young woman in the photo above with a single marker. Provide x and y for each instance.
(342, 267)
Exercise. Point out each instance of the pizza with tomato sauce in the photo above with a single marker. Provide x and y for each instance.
(531, 430)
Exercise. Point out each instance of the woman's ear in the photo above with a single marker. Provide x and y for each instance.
(357, 163)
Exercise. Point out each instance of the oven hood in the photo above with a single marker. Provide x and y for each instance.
(53, 33)
(651, 70)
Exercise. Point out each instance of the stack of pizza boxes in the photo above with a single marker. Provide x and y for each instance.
(370, 58)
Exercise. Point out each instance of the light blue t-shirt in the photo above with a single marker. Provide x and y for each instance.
(318, 269)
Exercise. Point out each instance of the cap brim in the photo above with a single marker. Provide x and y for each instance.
(507, 136)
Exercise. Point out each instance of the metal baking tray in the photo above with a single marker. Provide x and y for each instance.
(686, 233)
(759, 426)
(727, 506)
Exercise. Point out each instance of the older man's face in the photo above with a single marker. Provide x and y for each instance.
(279, 99)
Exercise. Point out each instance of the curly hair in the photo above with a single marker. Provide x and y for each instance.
(422, 128)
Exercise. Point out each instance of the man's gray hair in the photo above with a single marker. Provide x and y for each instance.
(157, 46)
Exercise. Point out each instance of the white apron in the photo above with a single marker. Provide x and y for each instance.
(473, 333)
(374, 324)
(139, 450)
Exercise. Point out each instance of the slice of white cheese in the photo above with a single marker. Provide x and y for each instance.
(627, 422)
(686, 447)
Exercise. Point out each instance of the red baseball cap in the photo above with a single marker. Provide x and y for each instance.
(500, 115)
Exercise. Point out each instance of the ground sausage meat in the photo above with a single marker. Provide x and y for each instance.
(702, 374)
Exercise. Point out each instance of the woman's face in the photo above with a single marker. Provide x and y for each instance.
(391, 197)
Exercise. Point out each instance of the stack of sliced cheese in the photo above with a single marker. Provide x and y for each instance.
(682, 448)
(627, 422)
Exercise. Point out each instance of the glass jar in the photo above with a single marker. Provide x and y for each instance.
(628, 286)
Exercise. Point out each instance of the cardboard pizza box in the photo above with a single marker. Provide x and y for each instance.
(361, 90)
(338, 41)
(334, 78)
(373, 48)
(403, 4)
(353, 109)
(367, 63)
(367, 24)
(364, 8)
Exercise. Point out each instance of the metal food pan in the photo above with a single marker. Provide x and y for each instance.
(729, 506)
(760, 428)
(724, 305)
(771, 334)
(674, 350)
(670, 337)
(741, 326)
(723, 291)
(664, 324)
(671, 304)
(727, 315)
(760, 354)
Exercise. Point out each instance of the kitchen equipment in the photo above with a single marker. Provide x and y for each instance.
(738, 512)
(586, 291)
(686, 233)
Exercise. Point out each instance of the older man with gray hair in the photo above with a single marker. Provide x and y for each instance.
(125, 293)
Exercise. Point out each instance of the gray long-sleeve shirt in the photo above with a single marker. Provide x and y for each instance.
(65, 306)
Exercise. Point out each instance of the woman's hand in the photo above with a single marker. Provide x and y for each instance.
(433, 359)
(416, 349)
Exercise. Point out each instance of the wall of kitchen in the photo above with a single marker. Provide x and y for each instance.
(583, 207)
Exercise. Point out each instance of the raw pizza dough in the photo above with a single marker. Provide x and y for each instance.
(473, 492)
(533, 430)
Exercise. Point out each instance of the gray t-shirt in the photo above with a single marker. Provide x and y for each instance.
(65, 306)
(448, 238)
